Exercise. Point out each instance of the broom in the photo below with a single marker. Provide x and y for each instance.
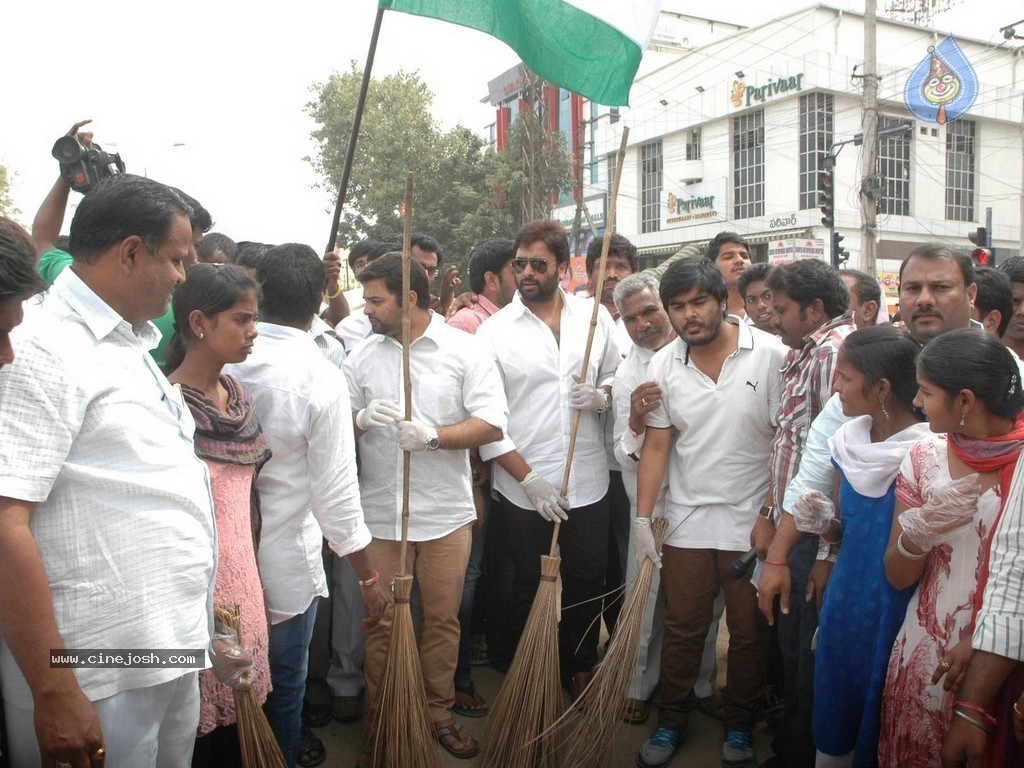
(519, 733)
(401, 734)
(600, 706)
(258, 744)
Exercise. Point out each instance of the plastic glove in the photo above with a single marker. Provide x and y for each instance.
(587, 397)
(947, 509)
(813, 512)
(379, 413)
(643, 542)
(545, 499)
(232, 661)
(413, 435)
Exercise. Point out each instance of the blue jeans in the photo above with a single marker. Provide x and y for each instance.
(289, 657)
(464, 669)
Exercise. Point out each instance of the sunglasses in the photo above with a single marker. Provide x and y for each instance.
(540, 266)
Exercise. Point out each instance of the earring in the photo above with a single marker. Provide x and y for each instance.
(962, 414)
(885, 412)
(201, 334)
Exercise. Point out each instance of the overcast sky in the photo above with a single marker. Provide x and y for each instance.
(210, 96)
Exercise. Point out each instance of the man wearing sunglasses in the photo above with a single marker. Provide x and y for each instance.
(538, 341)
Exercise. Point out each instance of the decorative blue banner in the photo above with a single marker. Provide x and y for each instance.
(943, 87)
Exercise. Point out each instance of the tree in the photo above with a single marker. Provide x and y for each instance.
(463, 194)
(7, 207)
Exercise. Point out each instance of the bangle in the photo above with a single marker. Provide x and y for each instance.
(975, 723)
(906, 552)
(781, 563)
(336, 294)
(370, 581)
(839, 524)
(985, 714)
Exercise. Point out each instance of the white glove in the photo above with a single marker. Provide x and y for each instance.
(587, 397)
(413, 435)
(379, 413)
(232, 662)
(643, 542)
(545, 499)
(947, 509)
(813, 512)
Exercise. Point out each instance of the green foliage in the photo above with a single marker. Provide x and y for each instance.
(463, 194)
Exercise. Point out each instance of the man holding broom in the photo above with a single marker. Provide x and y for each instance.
(457, 404)
(538, 341)
(712, 431)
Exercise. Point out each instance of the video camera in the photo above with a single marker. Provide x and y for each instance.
(81, 166)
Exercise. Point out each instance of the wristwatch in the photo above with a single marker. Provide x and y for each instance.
(433, 441)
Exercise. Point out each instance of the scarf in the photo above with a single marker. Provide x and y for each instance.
(990, 454)
(231, 437)
(869, 467)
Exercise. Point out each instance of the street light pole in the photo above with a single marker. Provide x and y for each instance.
(869, 156)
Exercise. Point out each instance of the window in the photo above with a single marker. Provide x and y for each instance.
(816, 113)
(693, 145)
(894, 167)
(748, 165)
(960, 170)
(651, 164)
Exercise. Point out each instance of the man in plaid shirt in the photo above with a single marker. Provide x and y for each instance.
(810, 302)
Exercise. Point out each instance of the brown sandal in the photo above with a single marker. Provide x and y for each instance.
(452, 738)
(635, 711)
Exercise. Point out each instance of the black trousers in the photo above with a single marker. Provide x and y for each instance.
(583, 547)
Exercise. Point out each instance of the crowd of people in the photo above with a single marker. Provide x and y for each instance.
(192, 422)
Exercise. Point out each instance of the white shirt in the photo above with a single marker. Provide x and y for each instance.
(302, 403)
(718, 471)
(96, 436)
(453, 379)
(537, 374)
(632, 372)
(354, 329)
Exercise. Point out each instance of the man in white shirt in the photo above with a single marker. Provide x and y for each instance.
(308, 490)
(106, 520)
(538, 341)
(731, 255)
(712, 433)
(457, 404)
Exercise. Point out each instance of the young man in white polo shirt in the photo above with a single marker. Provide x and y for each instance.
(712, 433)
(457, 403)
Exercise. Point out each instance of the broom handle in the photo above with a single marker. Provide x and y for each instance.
(406, 374)
(598, 289)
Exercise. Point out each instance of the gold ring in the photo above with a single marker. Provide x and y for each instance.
(945, 665)
(99, 756)
(1019, 713)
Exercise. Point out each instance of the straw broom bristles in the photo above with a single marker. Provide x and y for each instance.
(600, 706)
(402, 735)
(257, 741)
(530, 698)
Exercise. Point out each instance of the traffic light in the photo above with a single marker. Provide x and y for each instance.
(839, 256)
(982, 257)
(826, 196)
(982, 254)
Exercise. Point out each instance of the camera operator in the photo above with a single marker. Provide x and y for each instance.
(52, 260)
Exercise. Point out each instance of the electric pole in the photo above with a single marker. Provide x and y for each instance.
(869, 188)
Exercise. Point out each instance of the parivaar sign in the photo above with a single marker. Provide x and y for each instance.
(943, 86)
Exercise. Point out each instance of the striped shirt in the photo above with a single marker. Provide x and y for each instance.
(807, 378)
(999, 627)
